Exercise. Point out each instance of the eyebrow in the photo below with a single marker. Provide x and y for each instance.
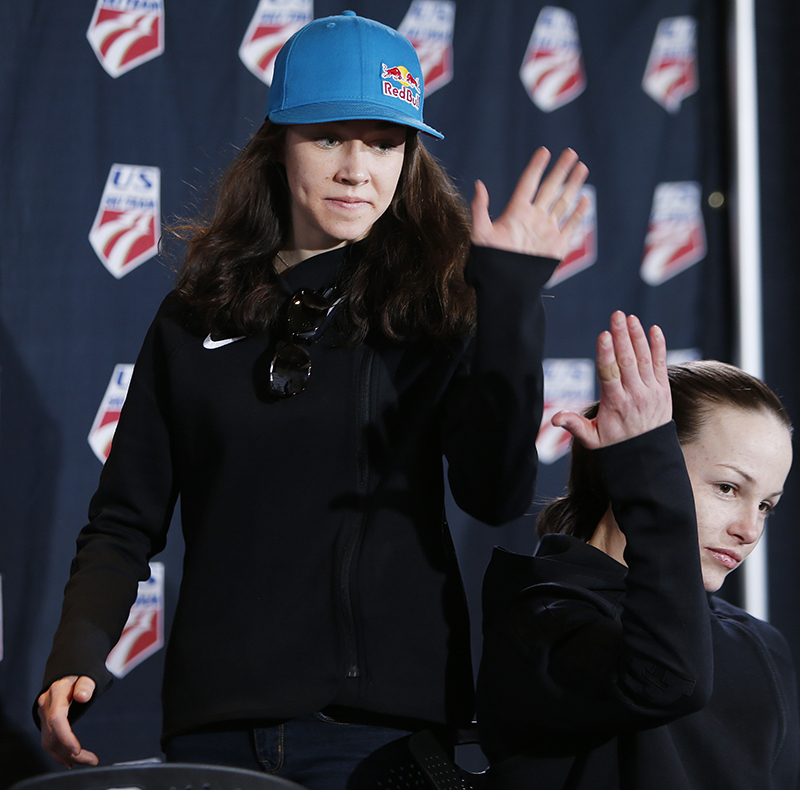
(748, 477)
(739, 471)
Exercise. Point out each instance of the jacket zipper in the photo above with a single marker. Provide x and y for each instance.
(356, 531)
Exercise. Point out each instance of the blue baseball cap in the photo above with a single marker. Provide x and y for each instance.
(346, 67)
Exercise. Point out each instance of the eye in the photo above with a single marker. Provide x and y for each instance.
(385, 146)
(327, 141)
(726, 488)
(766, 507)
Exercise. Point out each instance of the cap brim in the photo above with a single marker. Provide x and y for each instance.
(355, 111)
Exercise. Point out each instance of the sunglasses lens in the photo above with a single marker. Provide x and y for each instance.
(307, 312)
(289, 371)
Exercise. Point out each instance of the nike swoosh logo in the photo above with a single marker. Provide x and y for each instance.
(209, 343)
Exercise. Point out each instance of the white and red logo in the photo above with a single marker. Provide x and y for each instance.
(126, 33)
(428, 25)
(400, 83)
(127, 227)
(272, 25)
(582, 252)
(676, 237)
(105, 422)
(671, 72)
(568, 386)
(143, 633)
(552, 71)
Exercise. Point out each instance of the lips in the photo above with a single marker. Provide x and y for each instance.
(352, 202)
(727, 557)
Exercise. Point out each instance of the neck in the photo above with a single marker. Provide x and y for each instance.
(290, 255)
(609, 538)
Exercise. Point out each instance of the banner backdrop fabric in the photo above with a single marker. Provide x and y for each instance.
(118, 115)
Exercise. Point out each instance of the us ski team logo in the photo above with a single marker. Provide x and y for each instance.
(671, 72)
(126, 33)
(143, 633)
(676, 237)
(107, 417)
(273, 23)
(552, 71)
(428, 25)
(582, 252)
(568, 386)
(127, 227)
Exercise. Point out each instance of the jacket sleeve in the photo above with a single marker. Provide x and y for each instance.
(493, 408)
(128, 520)
(567, 667)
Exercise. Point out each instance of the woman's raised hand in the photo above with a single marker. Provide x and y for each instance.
(634, 386)
(537, 219)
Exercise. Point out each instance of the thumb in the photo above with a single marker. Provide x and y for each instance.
(479, 208)
(84, 689)
(579, 426)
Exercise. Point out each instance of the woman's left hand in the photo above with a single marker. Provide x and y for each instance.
(537, 219)
(635, 395)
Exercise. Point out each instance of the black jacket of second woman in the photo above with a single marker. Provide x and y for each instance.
(319, 569)
(598, 677)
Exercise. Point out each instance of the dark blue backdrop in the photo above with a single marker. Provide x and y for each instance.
(66, 321)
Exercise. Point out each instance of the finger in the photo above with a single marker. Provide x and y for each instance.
(58, 740)
(84, 689)
(528, 184)
(608, 373)
(641, 350)
(63, 753)
(658, 348)
(85, 757)
(479, 209)
(576, 180)
(581, 428)
(552, 185)
(623, 350)
(608, 370)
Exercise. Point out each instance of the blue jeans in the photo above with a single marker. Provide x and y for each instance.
(315, 751)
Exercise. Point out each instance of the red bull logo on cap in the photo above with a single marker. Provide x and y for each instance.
(409, 90)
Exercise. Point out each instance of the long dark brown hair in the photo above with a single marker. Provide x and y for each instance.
(697, 388)
(407, 280)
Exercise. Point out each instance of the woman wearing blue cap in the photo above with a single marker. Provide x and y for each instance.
(333, 334)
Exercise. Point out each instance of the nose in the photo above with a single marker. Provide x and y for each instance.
(747, 528)
(353, 169)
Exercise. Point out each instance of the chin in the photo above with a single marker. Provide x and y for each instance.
(714, 584)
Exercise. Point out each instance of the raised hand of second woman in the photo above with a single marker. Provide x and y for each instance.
(634, 386)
